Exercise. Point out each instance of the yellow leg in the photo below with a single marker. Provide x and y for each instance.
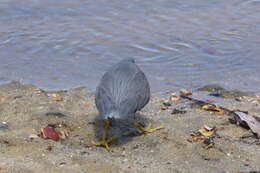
(148, 129)
(105, 141)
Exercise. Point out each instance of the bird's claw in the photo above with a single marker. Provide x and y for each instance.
(148, 129)
(104, 143)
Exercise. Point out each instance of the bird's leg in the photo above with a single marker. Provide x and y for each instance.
(146, 130)
(105, 140)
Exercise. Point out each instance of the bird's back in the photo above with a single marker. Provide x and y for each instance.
(122, 91)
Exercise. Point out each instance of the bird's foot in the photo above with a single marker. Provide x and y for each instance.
(148, 129)
(104, 143)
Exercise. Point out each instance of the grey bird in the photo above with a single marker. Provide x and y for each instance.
(123, 90)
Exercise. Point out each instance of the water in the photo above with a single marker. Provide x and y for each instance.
(179, 44)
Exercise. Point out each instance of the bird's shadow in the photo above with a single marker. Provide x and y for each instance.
(123, 129)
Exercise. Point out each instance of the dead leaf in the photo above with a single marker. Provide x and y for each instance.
(205, 134)
(56, 97)
(207, 131)
(163, 107)
(185, 92)
(208, 107)
(211, 107)
(195, 139)
(209, 128)
(174, 97)
(49, 133)
(251, 121)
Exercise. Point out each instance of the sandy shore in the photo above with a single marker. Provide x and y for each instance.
(25, 109)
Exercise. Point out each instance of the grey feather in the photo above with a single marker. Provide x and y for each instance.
(123, 90)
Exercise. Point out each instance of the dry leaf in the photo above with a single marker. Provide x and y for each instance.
(208, 128)
(163, 107)
(185, 92)
(208, 107)
(57, 98)
(50, 133)
(207, 131)
(206, 134)
(211, 107)
(174, 97)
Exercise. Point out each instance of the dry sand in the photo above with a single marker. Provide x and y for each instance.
(25, 110)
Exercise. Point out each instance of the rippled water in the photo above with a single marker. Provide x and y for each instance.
(179, 44)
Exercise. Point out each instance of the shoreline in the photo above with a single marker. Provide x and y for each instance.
(26, 109)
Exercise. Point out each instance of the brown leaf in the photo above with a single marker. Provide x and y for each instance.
(208, 107)
(163, 107)
(50, 133)
(195, 139)
(56, 97)
(185, 92)
(211, 107)
(205, 134)
(174, 97)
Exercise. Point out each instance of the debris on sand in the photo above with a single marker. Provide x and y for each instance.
(205, 105)
(185, 92)
(3, 125)
(213, 108)
(165, 105)
(56, 97)
(174, 97)
(205, 134)
(178, 111)
(248, 121)
(240, 117)
(50, 132)
(218, 91)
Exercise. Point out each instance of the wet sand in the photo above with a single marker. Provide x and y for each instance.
(25, 109)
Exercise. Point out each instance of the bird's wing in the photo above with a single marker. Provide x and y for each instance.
(104, 100)
(137, 94)
(141, 88)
